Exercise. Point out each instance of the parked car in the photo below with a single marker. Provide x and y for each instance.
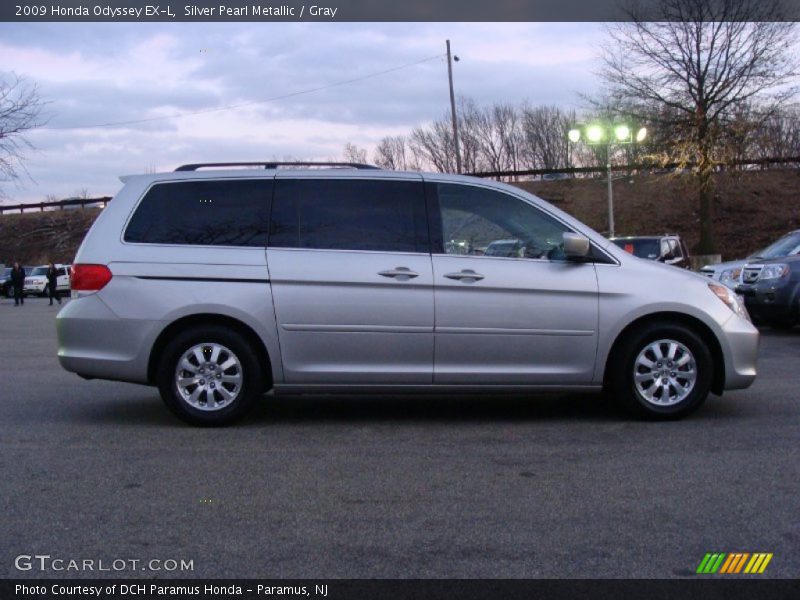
(36, 281)
(771, 290)
(729, 273)
(6, 287)
(506, 248)
(218, 285)
(669, 249)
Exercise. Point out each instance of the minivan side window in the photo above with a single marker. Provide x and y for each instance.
(233, 212)
(349, 214)
(478, 221)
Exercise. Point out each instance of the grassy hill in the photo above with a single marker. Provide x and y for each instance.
(751, 209)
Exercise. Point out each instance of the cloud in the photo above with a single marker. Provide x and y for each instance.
(95, 73)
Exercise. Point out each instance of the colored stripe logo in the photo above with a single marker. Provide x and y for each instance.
(734, 563)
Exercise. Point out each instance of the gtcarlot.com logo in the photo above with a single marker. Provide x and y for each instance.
(734, 563)
(45, 562)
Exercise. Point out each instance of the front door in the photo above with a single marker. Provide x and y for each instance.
(510, 309)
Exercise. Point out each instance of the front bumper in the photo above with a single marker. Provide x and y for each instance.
(33, 288)
(739, 343)
(771, 300)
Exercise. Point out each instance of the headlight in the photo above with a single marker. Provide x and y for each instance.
(730, 299)
(730, 274)
(773, 271)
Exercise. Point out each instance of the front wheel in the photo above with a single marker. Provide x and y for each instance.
(209, 376)
(662, 371)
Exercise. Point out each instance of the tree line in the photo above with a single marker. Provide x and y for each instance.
(504, 137)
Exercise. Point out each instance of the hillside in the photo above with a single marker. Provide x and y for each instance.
(751, 209)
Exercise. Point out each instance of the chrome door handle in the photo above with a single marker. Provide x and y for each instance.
(465, 274)
(401, 273)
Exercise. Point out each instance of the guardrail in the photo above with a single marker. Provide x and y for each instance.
(56, 205)
(759, 162)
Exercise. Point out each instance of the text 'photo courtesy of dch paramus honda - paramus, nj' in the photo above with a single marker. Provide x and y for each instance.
(220, 282)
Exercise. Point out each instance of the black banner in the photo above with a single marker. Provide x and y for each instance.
(406, 589)
(260, 11)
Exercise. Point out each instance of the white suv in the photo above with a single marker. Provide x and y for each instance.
(36, 281)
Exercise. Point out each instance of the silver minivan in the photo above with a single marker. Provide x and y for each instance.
(220, 282)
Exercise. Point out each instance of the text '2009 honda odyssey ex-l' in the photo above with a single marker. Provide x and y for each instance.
(218, 284)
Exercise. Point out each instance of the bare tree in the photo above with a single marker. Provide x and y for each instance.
(393, 152)
(545, 131)
(498, 135)
(699, 60)
(354, 154)
(468, 119)
(434, 145)
(20, 111)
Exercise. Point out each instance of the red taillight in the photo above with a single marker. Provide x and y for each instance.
(89, 278)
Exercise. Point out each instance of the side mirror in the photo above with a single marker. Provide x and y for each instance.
(575, 245)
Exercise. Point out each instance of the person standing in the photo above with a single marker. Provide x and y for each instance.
(18, 281)
(52, 283)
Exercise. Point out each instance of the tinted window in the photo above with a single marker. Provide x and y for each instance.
(349, 214)
(39, 271)
(479, 221)
(215, 213)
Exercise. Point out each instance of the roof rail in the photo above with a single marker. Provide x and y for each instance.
(275, 165)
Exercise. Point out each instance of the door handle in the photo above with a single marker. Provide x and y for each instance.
(464, 275)
(401, 273)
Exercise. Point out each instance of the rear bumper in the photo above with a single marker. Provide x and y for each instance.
(95, 343)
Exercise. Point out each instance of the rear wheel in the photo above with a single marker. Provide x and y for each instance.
(662, 371)
(209, 376)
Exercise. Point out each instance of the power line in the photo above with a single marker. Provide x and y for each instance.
(245, 104)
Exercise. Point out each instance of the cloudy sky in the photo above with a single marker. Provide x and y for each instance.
(93, 74)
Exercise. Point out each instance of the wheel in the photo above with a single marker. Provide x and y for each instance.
(209, 376)
(46, 291)
(662, 371)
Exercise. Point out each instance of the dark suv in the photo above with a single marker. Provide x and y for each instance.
(771, 290)
(667, 248)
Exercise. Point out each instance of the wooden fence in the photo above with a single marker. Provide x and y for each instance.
(67, 203)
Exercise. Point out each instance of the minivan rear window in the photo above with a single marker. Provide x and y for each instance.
(233, 212)
(349, 214)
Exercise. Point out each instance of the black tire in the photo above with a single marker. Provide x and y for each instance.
(46, 291)
(623, 385)
(252, 378)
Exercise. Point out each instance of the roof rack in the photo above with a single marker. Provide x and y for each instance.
(275, 165)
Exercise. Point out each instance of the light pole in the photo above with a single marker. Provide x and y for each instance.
(453, 106)
(605, 134)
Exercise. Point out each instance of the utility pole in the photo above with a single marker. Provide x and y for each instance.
(453, 108)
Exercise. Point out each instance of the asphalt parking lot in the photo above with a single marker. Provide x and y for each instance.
(553, 486)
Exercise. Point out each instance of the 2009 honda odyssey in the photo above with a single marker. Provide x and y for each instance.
(218, 285)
